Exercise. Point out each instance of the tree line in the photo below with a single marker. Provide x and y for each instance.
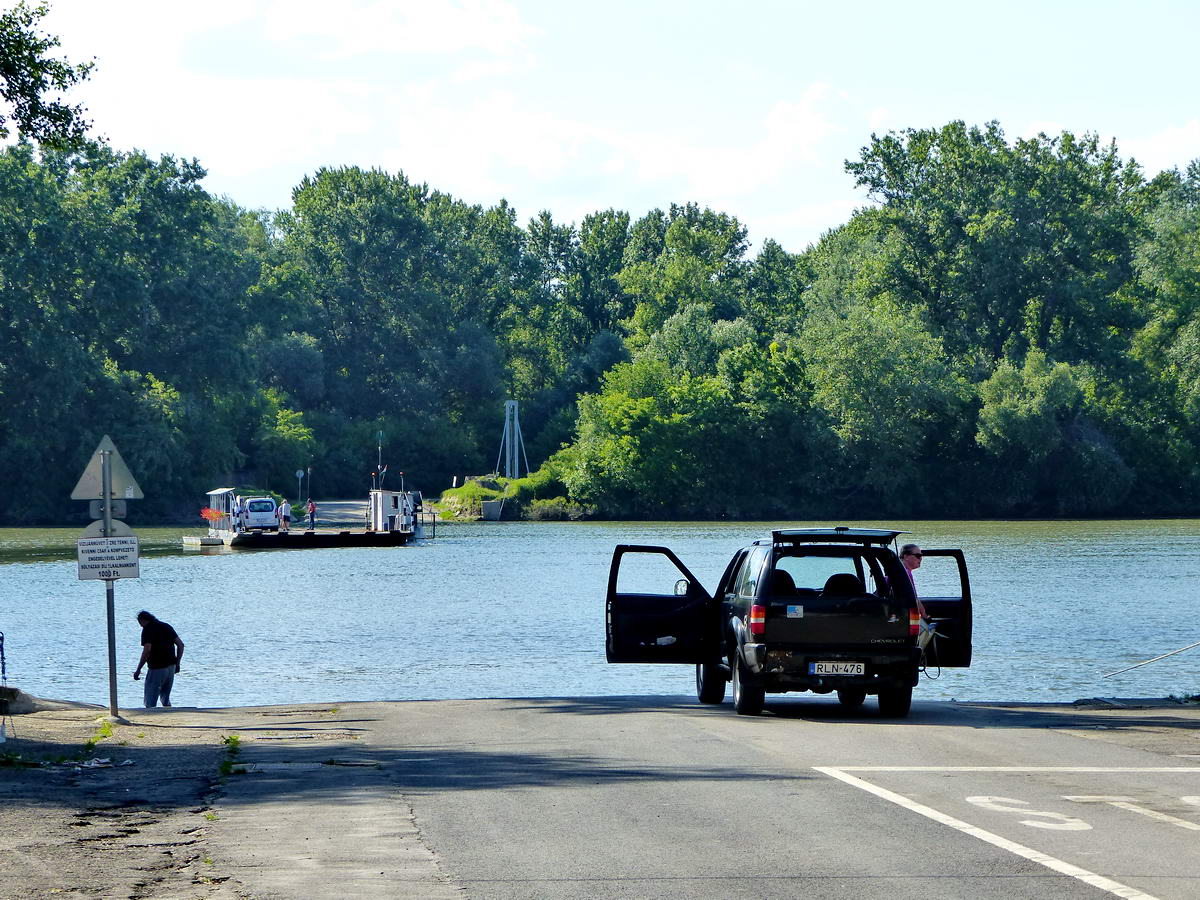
(1009, 329)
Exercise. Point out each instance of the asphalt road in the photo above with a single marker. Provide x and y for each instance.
(653, 797)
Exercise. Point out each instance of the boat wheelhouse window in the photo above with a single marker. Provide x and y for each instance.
(262, 506)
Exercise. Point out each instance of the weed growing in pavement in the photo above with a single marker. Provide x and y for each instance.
(228, 766)
(103, 732)
(211, 816)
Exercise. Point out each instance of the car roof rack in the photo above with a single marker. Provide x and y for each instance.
(841, 534)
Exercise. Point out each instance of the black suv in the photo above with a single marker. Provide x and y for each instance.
(813, 609)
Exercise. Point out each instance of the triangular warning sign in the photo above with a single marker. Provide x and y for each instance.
(90, 486)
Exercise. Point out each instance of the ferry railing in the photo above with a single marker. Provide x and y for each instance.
(427, 519)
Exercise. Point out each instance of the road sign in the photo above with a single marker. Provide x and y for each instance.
(119, 509)
(123, 483)
(96, 529)
(107, 558)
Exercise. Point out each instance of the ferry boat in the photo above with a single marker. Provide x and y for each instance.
(393, 519)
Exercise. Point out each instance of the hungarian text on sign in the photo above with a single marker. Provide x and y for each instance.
(105, 558)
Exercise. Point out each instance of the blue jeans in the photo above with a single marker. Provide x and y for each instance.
(158, 684)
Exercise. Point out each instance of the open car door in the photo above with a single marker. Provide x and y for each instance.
(951, 648)
(676, 623)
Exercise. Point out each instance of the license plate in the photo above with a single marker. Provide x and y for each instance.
(830, 667)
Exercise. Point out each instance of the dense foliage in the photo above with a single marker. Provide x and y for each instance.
(31, 81)
(1011, 329)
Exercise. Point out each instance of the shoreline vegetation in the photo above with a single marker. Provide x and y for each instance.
(1010, 330)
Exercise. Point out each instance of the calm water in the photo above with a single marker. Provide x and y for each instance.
(516, 609)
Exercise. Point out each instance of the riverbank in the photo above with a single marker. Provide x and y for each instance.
(237, 802)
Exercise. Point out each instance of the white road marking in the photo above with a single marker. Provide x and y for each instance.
(1181, 770)
(1130, 804)
(1057, 865)
(1058, 821)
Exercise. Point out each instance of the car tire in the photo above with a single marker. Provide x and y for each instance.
(710, 683)
(748, 699)
(851, 698)
(894, 703)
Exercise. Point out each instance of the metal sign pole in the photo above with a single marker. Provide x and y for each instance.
(106, 482)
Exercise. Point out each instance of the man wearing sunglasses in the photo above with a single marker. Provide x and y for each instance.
(910, 557)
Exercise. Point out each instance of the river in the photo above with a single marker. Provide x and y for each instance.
(515, 609)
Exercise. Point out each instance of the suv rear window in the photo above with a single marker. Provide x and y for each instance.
(813, 571)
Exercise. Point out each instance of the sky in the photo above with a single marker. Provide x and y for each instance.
(751, 108)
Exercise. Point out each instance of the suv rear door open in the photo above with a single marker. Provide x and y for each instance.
(659, 627)
(951, 648)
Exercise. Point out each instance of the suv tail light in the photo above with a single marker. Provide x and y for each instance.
(758, 619)
(914, 621)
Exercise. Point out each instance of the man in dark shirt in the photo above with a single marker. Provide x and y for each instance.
(162, 651)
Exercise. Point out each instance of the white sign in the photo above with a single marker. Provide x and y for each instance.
(106, 558)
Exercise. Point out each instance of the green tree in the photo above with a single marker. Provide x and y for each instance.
(1026, 408)
(29, 79)
(775, 286)
(883, 383)
(690, 342)
(1045, 450)
(700, 261)
(652, 444)
(283, 443)
(603, 237)
(1006, 247)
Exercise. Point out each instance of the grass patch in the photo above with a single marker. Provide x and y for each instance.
(103, 733)
(539, 495)
(466, 502)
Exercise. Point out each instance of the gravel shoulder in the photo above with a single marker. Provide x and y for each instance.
(90, 808)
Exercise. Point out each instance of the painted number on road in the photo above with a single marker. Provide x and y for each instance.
(1060, 822)
(1052, 820)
